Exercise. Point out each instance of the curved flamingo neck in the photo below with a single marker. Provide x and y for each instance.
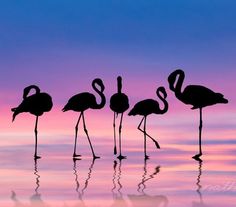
(28, 89)
(119, 84)
(161, 94)
(100, 93)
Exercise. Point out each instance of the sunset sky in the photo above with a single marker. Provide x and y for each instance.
(61, 46)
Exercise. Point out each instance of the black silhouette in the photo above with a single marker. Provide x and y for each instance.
(117, 186)
(35, 104)
(147, 107)
(81, 193)
(196, 95)
(144, 200)
(83, 101)
(119, 103)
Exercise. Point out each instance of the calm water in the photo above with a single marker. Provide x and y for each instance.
(170, 178)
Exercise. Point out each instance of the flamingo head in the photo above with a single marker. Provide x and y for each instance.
(172, 78)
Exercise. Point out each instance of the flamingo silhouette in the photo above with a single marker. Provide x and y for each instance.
(147, 107)
(196, 95)
(35, 104)
(119, 103)
(83, 101)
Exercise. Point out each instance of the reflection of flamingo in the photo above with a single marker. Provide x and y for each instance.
(83, 101)
(199, 186)
(35, 199)
(119, 103)
(144, 200)
(147, 107)
(80, 194)
(195, 95)
(35, 104)
(117, 186)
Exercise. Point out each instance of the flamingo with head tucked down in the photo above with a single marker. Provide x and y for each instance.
(147, 107)
(196, 95)
(35, 104)
(119, 103)
(83, 101)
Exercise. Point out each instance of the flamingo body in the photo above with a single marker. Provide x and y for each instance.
(35, 104)
(145, 108)
(199, 96)
(119, 103)
(80, 102)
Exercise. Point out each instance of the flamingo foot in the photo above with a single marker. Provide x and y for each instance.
(95, 157)
(36, 157)
(121, 157)
(76, 158)
(146, 157)
(75, 155)
(197, 157)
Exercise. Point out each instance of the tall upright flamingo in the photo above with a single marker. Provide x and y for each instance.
(83, 101)
(196, 95)
(35, 104)
(147, 107)
(119, 103)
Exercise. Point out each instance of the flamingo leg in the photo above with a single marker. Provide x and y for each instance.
(86, 132)
(200, 133)
(156, 143)
(36, 139)
(114, 128)
(145, 139)
(120, 157)
(76, 135)
(197, 156)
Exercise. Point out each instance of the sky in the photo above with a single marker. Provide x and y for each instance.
(61, 46)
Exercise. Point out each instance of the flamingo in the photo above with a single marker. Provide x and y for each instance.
(196, 95)
(147, 107)
(80, 103)
(119, 103)
(35, 104)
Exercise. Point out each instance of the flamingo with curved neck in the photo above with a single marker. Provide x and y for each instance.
(147, 107)
(83, 101)
(196, 95)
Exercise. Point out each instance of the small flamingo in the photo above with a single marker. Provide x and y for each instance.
(80, 103)
(35, 104)
(196, 95)
(147, 107)
(119, 103)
